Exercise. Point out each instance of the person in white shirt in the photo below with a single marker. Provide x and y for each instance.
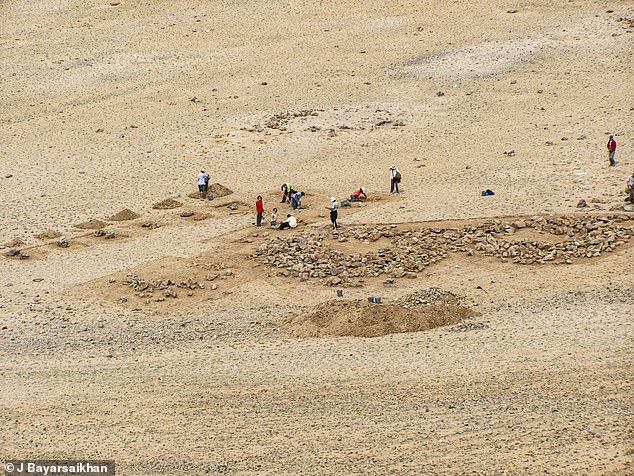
(290, 222)
(334, 207)
(395, 179)
(203, 182)
(273, 220)
(630, 188)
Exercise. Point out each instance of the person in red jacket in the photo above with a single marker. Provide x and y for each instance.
(259, 209)
(611, 150)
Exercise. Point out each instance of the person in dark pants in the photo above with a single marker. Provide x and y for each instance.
(259, 209)
(334, 212)
(395, 179)
(287, 191)
(290, 222)
(296, 199)
(611, 146)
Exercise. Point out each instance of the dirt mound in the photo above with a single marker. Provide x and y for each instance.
(123, 215)
(219, 190)
(167, 204)
(421, 311)
(216, 189)
(92, 224)
(15, 243)
(48, 235)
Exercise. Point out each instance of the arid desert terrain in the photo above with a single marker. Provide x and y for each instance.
(141, 324)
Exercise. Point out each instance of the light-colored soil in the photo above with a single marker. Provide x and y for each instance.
(109, 108)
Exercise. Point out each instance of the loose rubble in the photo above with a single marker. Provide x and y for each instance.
(306, 255)
(160, 289)
(145, 288)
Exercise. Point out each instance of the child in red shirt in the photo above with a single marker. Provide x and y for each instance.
(259, 209)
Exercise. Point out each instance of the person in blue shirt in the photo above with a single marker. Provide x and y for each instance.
(296, 200)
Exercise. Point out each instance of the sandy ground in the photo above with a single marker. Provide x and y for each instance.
(110, 107)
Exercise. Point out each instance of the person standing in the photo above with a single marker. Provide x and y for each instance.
(334, 212)
(203, 180)
(611, 146)
(395, 179)
(259, 209)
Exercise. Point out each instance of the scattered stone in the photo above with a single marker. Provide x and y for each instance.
(440, 94)
(187, 213)
(99, 233)
(110, 235)
(24, 255)
(63, 242)
(307, 256)
(509, 152)
(151, 224)
(8, 176)
(467, 326)
(12, 252)
(582, 203)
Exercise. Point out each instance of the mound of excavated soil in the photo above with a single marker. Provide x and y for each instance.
(123, 215)
(216, 189)
(363, 319)
(219, 190)
(167, 204)
(15, 242)
(48, 235)
(91, 225)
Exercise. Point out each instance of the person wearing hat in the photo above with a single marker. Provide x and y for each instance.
(395, 179)
(611, 146)
(356, 195)
(203, 182)
(334, 212)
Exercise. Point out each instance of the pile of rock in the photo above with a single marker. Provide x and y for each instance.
(305, 256)
(281, 120)
(430, 296)
(145, 288)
